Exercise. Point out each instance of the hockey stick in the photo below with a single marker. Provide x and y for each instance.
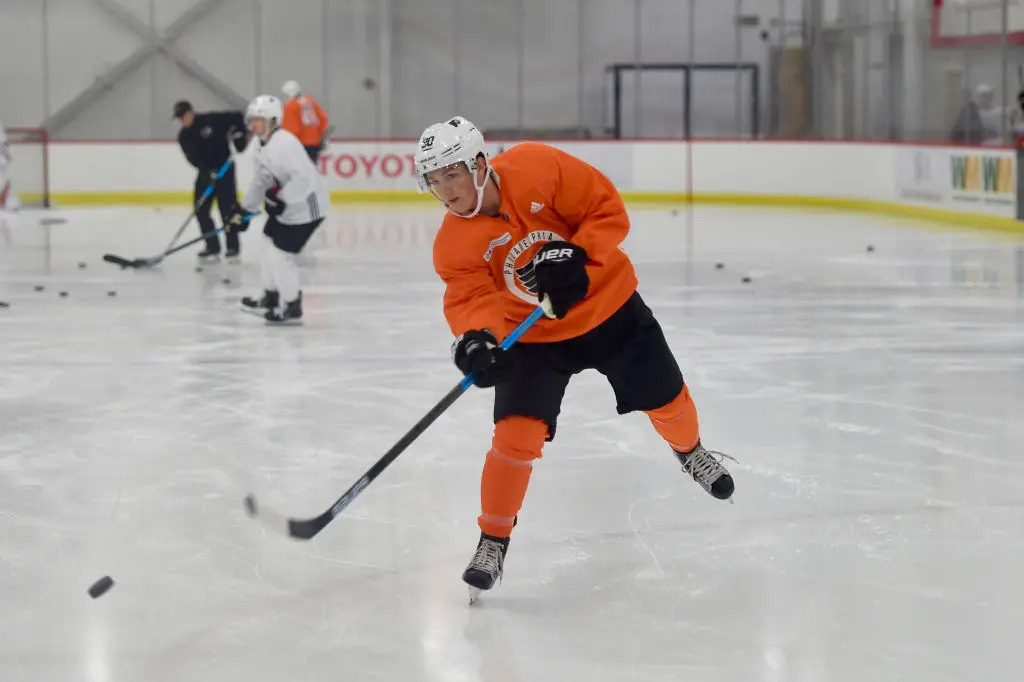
(145, 262)
(305, 529)
(149, 262)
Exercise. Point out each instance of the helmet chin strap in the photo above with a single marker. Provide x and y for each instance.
(479, 196)
(268, 129)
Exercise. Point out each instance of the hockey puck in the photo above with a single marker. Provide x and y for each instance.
(870, 248)
(39, 287)
(675, 212)
(227, 281)
(746, 280)
(4, 304)
(81, 266)
(111, 293)
(63, 294)
(199, 268)
(250, 505)
(719, 266)
(101, 586)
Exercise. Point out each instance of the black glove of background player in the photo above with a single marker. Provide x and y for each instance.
(273, 202)
(477, 352)
(561, 276)
(239, 138)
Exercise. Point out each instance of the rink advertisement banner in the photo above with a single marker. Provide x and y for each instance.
(962, 179)
(953, 184)
(356, 166)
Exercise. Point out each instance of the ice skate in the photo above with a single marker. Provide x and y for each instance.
(209, 255)
(706, 468)
(232, 256)
(291, 313)
(259, 306)
(487, 565)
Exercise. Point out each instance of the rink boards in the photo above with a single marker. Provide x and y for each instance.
(967, 185)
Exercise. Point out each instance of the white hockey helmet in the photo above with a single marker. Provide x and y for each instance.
(446, 144)
(291, 89)
(268, 108)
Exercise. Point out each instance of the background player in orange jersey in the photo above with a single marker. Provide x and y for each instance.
(538, 225)
(305, 119)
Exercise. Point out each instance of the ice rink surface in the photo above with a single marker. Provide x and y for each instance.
(875, 402)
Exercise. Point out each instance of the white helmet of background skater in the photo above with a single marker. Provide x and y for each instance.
(291, 89)
(446, 144)
(268, 108)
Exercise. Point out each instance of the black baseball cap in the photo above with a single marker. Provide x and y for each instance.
(182, 107)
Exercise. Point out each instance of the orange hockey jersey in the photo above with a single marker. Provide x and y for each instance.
(304, 118)
(486, 262)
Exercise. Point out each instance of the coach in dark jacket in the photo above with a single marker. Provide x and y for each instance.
(206, 141)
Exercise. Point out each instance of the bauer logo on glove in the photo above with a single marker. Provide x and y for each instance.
(561, 276)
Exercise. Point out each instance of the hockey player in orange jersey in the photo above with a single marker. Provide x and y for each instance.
(538, 225)
(305, 119)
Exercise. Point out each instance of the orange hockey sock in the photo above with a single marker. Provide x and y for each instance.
(677, 422)
(517, 442)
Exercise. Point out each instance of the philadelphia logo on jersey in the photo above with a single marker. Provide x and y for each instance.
(519, 275)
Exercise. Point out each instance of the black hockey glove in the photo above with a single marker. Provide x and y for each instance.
(273, 203)
(477, 352)
(239, 138)
(238, 221)
(559, 268)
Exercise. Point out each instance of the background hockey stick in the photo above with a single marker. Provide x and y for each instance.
(305, 529)
(148, 262)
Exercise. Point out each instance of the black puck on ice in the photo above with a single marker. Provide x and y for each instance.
(63, 294)
(250, 505)
(199, 268)
(100, 587)
(227, 281)
(111, 293)
(719, 266)
(746, 280)
(4, 304)
(81, 266)
(39, 287)
(870, 248)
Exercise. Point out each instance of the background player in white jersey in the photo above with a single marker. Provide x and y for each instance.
(8, 199)
(290, 187)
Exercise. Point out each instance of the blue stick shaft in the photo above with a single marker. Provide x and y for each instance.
(199, 204)
(537, 313)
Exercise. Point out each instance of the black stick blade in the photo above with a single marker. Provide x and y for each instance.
(308, 528)
(117, 260)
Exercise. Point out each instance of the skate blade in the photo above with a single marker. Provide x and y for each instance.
(284, 323)
(474, 594)
(259, 312)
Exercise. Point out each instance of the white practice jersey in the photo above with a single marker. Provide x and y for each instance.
(283, 162)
